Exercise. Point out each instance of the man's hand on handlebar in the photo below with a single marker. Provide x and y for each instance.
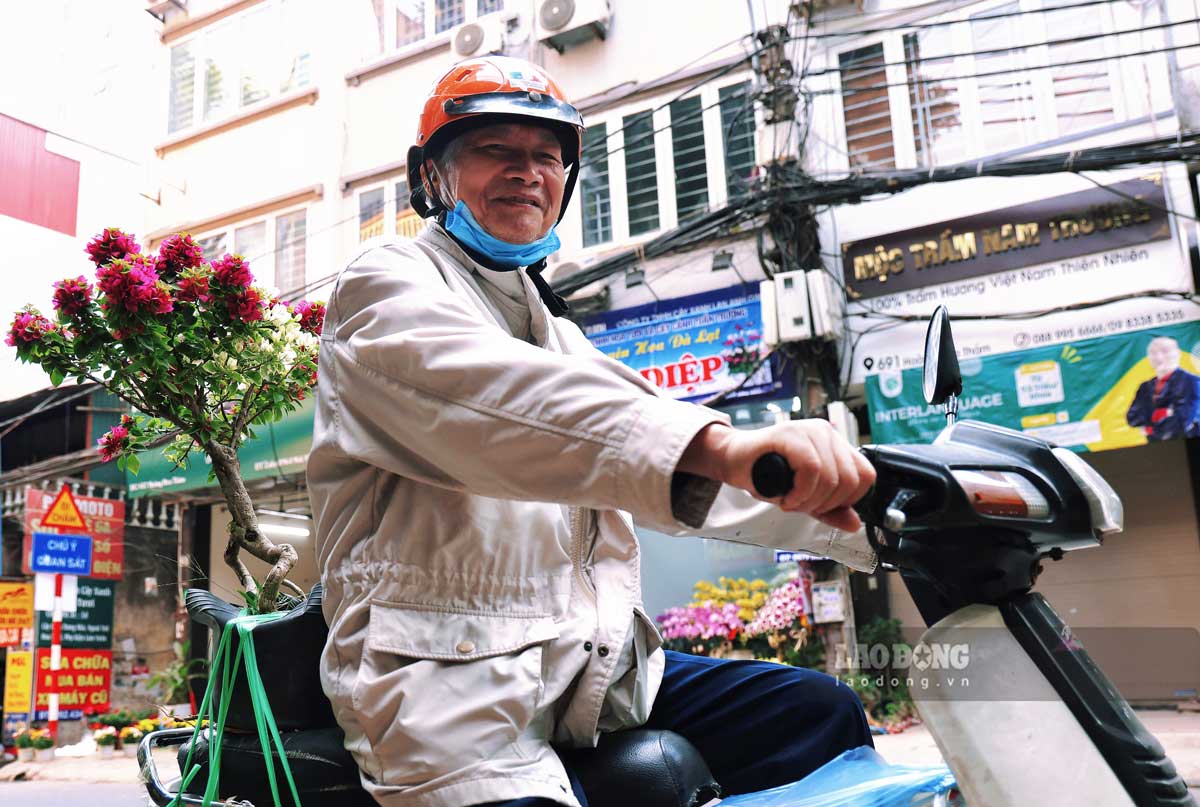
(830, 475)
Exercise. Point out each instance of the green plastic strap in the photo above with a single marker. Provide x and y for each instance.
(268, 732)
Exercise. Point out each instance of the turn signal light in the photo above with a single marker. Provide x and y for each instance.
(1002, 493)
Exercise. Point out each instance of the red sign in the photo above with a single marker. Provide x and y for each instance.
(64, 512)
(16, 605)
(83, 680)
(104, 520)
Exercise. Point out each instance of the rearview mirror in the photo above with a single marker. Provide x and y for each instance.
(941, 377)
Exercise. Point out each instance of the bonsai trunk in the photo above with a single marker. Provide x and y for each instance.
(244, 532)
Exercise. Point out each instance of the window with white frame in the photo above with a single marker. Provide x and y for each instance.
(646, 169)
(274, 246)
(690, 157)
(991, 79)
(399, 23)
(386, 209)
(737, 130)
(595, 196)
(236, 63)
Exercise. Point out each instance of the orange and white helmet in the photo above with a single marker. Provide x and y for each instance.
(485, 91)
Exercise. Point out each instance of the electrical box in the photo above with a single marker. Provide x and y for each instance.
(827, 304)
(770, 318)
(791, 306)
(843, 421)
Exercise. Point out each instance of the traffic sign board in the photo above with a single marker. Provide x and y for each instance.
(64, 513)
(62, 554)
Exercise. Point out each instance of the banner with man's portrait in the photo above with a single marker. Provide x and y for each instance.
(1089, 395)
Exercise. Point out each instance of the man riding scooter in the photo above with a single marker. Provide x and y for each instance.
(474, 469)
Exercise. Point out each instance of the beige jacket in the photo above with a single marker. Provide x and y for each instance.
(472, 495)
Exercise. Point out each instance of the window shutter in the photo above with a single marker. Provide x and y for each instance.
(290, 250)
(182, 94)
(687, 145)
(641, 178)
(866, 112)
(737, 127)
(593, 186)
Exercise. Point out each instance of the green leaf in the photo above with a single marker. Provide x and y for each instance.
(133, 464)
(121, 463)
(56, 377)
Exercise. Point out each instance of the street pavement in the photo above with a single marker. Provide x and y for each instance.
(114, 782)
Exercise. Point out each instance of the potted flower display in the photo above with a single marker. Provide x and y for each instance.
(130, 737)
(105, 738)
(43, 745)
(24, 743)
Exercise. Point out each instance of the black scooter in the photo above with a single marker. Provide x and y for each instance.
(967, 522)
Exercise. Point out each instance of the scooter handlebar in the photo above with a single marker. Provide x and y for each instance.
(772, 475)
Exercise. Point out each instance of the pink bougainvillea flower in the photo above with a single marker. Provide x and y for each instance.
(233, 271)
(132, 284)
(111, 245)
(72, 296)
(177, 253)
(113, 443)
(312, 315)
(27, 326)
(247, 305)
(193, 286)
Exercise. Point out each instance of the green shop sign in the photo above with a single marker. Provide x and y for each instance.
(276, 450)
(1089, 395)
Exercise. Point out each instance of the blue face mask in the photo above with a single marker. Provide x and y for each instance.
(466, 229)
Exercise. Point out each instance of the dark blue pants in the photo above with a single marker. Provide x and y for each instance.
(757, 724)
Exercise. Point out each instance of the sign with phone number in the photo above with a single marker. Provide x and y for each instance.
(1079, 394)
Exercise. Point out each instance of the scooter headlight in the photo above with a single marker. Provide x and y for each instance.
(1108, 514)
(1002, 493)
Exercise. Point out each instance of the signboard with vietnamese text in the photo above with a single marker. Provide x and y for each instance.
(1025, 297)
(83, 681)
(278, 450)
(91, 623)
(16, 605)
(18, 681)
(694, 347)
(61, 554)
(105, 520)
(1088, 395)
(1046, 230)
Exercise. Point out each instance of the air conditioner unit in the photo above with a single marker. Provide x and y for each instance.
(563, 23)
(479, 37)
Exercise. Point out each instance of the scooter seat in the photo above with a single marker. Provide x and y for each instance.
(641, 767)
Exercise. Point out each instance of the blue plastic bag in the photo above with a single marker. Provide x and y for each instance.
(857, 778)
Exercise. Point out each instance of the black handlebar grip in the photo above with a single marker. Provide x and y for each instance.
(772, 475)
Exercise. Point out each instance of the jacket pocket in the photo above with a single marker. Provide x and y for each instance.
(439, 690)
(429, 632)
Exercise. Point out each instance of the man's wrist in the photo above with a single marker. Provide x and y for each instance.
(705, 455)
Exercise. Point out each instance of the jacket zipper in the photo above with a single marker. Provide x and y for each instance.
(579, 551)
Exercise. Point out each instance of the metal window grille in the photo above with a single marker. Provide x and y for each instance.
(593, 185)
(687, 146)
(641, 173)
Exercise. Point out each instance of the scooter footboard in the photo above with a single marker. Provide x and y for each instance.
(1010, 731)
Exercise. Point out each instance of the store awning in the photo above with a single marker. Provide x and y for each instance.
(278, 450)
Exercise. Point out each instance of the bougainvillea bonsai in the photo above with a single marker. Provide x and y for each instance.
(201, 353)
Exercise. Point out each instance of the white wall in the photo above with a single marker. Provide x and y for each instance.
(79, 69)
